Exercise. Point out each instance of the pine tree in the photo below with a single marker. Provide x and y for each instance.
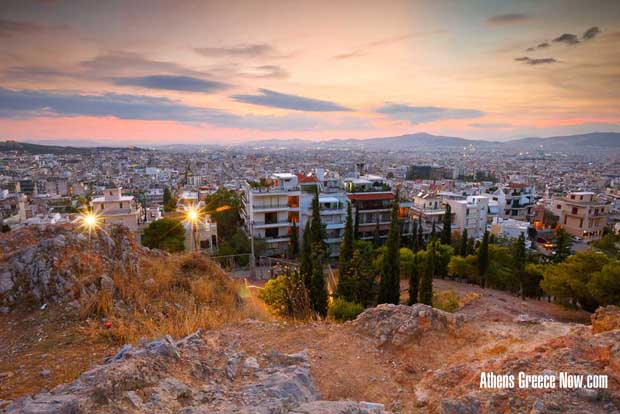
(293, 247)
(356, 225)
(427, 274)
(446, 232)
(483, 258)
(463, 244)
(317, 231)
(433, 232)
(346, 253)
(414, 280)
(389, 288)
(305, 266)
(520, 260)
(563, 244)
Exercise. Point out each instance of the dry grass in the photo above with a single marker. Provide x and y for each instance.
(173, 295)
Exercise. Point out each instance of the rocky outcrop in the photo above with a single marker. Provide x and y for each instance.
(606, 319)
(55, 263)
(400, 325)
(192, 376)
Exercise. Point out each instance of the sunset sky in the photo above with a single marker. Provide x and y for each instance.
(152, 71)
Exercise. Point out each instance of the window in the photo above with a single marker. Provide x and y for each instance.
(102, 206)
(121, 204)
(574, 210)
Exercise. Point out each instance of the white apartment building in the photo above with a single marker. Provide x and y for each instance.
(516, 201)
(582, 214)
(115, 208)
(470, 214)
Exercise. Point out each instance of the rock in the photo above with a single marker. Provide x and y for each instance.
(371, 408)
(605, 319)
(107, 284)
(4, 310)
(588, 394)
(232, 366)
(133, 399)
(164, 346)
(250, 363)
(465, 405)
(6, 282)
(399, 325)
(46, 373)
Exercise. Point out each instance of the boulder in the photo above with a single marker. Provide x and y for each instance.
(605, 319)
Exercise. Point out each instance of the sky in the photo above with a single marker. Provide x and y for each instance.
(163, 72)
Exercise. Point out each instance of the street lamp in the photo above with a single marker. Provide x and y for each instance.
(89, 221)
(193, 217)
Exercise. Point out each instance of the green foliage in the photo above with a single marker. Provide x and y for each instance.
(463, 245)
(170, 201)
(483, 259)
(520, 260)
(500, 273)
(464, 267)
(446, 232)
(305, 266)
(563, 244)
(427, 273)
(342, 310)
(570, 281)
(406, 261)
(286, 295)
(165, 234)
(532, 277)
(346, 247)
(414, 277)
(224, 206)
(389, 286)
(318, 287)
(293, 246)
(604, 286)
(609, 244)
(446, 301)
(356, 228)
(358, 284)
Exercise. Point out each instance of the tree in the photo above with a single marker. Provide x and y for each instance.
(357, 286)
(427, 274)
(533, 276)
(287, 295)
(389, 287)
(520, 260)
(317, 231)
(346, 247)
(563, 244)
(483, 258)
(356, 228)
(414, 237)
(224, 207)
(414, 279)
(570, 281)
(433, 232)
(165, 234)
(420, 235)
(604, 286)
(471, 246)
(609, 244)
(318, 288)
(170, 201)
(376, 236)
(463, 244)
(446, 231)
(293, 247)
(305, 265)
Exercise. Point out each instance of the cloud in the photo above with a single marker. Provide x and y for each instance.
(265, 71)
(274, 99)
(491, 125)
(591, 33)
(120, 62)
(246, 50)
(567, 38)
(542, 45)
(367, 48)
(28, 104)
(10, 28)
(171, 82)
(532, 61)
(508, 19)
(422, 114)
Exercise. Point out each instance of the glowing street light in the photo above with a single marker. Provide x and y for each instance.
(193, 215)
(89, 221)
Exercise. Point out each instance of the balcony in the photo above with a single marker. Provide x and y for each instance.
(270, 224)
(262, 207)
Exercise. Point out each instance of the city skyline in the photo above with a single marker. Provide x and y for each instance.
(209, 72)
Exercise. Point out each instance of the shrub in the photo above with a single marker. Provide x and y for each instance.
(446, 301)
(342, 310)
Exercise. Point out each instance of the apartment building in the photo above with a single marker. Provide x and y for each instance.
(372, 199)
(518, 201)
(115, 208)
(582, 214)
(429, 208)
(471, 214)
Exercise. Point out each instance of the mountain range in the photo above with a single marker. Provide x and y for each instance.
(596, 141)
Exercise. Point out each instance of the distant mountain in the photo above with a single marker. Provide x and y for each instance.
(54, 149)
(411, 141)
(600, 140)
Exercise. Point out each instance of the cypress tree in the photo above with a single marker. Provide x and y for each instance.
(414, 237)
(293, 248)
(389, 288)
(305, 266)
(346, 253)
(318, 288)
(376, 240)
(428, 272)
(316, 227)
(433, 232)
(420, 235)
(471, 247)
(356, 227)
(463, 245)
(414, 280)
(483, 258)
(446, 231)
(520, 259)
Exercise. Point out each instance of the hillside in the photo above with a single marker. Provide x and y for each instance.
(185, 338)
(29, 148)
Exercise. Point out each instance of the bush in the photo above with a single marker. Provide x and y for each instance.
(287, 296)
(446, 301)
(342, 310)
